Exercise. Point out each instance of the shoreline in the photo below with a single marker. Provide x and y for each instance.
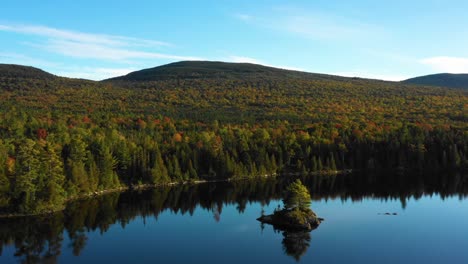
(147, 186)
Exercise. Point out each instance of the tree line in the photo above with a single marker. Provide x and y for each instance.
(44, 163)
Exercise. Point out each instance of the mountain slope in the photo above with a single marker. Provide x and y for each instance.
(237, 93)
(441, 79)
(218, 70)
(20, 71)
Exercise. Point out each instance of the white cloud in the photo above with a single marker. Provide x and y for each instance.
(243, 59)
(447, 64)
(104, 52)
(113, 40)
(94, 46)
(94, 73)
(313, 24)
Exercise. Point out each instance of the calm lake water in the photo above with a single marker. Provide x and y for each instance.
(216, 223)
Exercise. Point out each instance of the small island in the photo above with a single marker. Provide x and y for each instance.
(296, 214)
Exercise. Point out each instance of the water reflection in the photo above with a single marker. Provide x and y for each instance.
(40, 239)
(295, 244)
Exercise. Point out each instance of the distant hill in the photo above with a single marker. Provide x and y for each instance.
(442, 79)
(232, 92)
(20, 71)
(218, 70)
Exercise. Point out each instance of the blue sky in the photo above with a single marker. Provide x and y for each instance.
(390, 40)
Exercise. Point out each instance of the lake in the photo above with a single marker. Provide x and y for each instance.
(216, 223)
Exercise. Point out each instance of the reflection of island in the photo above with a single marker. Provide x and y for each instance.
(295, 244)
(296, 220)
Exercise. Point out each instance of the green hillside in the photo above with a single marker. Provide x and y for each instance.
(459, 81)
(19, 71)
(218, 70)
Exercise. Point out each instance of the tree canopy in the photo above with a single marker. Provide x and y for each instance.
(297, 196)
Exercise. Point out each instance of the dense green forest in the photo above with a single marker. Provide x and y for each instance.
(63, 138)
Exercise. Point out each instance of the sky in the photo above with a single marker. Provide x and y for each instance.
(389, 40)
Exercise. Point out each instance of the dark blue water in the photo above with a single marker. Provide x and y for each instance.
(216, 223)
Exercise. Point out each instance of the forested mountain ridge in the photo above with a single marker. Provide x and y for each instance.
(219, 70)
(20, 71)
(61, 138)
(459, 81)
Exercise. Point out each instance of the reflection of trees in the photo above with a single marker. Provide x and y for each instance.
(295, 244)
(78, 242)
(39, 239)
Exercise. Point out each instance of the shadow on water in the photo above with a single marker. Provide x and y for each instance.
(39, 239)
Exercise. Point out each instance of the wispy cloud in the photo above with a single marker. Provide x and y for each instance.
(312, 24)
(104, 52)
(447, 64)
(93, 73)
(94, 46)
(244, 17)
(233, 58)
(113, 40)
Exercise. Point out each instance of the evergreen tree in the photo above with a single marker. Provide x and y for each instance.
(52, 169)
(77, 177)
(319, 164)
(107, 165)
(27, 172)
(332, 162)
(297, 196)
(314, 164)
(4, 180)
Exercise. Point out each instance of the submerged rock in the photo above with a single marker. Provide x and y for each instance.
(292, 219)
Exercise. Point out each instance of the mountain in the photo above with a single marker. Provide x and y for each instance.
(20, 71)
(459, 81)
(232, 93)
(218, 70)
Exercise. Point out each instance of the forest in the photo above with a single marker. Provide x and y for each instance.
(65, 138)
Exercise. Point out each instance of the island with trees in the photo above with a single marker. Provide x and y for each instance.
(296, 214)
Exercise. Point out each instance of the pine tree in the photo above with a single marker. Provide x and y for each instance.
(77, 177)
(4, 180)
(319, 164)
(297, 196)
(52, 167)
(332, 162)
(177, 170)
(93, 172)
(314, 164)
(191, 170)
(27, 172)
(107, 165)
